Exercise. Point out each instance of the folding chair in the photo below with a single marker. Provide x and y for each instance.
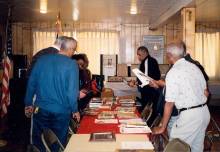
(147, 112)
(32, 148)
(159, 142)
(73, 126)
(177, 145)
(49, 138)
(212, 138)
(156, 121)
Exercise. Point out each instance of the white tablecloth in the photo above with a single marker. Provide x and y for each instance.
(122, 89)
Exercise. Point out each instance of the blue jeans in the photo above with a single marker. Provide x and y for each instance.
(57, 122)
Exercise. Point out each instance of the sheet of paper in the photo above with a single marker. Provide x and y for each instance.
(142, 77)
(106, 121)
(136, 145)
(128, 121)
(134, 130)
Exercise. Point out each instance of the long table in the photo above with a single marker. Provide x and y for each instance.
(88, 126)
(80, 142)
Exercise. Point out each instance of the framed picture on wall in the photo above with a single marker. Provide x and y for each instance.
(108, 65)
(155, 45)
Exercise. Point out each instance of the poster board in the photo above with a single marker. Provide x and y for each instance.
(122, 70)
(108, 65)
(155, 45)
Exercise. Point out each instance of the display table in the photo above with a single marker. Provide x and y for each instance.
(88, 126)
(122, 89)
(81, 143)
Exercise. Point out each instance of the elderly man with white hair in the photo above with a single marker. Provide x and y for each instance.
(185, 87)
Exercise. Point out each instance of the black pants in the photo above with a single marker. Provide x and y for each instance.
(150, 95)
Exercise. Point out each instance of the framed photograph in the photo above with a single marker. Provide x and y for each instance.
(108, 65)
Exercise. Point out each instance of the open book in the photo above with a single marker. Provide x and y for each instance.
(142, 77)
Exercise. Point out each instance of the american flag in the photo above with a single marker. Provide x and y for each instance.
(5, 101)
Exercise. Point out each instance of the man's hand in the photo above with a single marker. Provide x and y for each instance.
(206, 92)
(82, 94)
(28, 110)
(77, 116)
(132, 83)
(158, 130)
(153, 84)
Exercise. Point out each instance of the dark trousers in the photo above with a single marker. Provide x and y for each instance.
(150, 95)
(57, 122)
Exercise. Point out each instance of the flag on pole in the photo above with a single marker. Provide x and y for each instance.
(5, 99)
(59, 26)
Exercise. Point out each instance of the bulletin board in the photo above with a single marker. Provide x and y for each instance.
(155, 45)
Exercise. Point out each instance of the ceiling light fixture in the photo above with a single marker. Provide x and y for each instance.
(75, 14)
(133, 9)
(43, 6)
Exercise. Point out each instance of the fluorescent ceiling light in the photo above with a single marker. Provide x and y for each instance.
(43, 6)
(75, 14)
(133, 9)
(75, 7)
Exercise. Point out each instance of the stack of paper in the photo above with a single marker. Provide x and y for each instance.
(133, 145)
(137, 128)
(125, 109)
(106, 121)
(106, 115)
(106, 105)
(142, 77)
(137, 121)
(126, 102)
(122, 115)
(95, 103)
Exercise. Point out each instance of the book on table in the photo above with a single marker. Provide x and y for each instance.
(122, 115)
(126, 109)
(102, 136)
(126, 101)
(106, 115)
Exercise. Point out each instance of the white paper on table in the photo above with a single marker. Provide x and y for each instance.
(124, 129)
(136, 121)
(145, 80)
(106, 121)
(137, 145)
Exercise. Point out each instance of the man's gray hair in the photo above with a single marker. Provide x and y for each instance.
(61, 39)
(176, 49)
(68, 44)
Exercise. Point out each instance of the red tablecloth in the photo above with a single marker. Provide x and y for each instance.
(88, 125)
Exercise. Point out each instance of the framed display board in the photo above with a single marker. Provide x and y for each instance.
(108, 65)
(155, 45)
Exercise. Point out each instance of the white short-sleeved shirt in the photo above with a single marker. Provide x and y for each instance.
(185, 85)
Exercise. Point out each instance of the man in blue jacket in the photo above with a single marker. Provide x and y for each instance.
(55, 82)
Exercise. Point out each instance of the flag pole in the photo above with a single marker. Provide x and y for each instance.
(6, 75)
(59, 26)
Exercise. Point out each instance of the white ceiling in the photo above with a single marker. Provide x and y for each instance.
(149, 11)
